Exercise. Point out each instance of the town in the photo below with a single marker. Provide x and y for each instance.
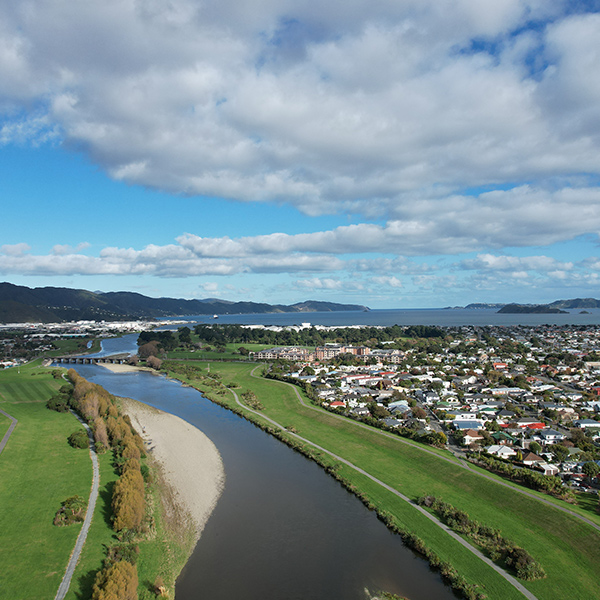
(527, 396)
(515, 399)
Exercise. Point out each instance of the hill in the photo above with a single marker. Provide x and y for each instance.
(19, 304)
(543, 309)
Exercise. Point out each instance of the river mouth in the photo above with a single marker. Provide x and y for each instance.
(283, 528)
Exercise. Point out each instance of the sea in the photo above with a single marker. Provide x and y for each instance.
(448, 317)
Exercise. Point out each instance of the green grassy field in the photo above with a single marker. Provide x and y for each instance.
(38, 470)
(74, 346)
(568, 549)
(231, 353)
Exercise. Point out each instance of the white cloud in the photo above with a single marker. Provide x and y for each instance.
(339, 106)
(15, 250)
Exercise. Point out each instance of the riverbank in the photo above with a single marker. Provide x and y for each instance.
(189, 462)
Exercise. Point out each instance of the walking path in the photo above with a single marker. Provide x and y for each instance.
(519, 586)
(66, 581)
(11, 428)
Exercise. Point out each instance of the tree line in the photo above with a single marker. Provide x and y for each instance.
(118, 579)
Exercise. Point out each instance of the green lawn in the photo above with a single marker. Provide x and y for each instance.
(568, 549)
(74, 346)
(231, 353)
(4, 424)
(38, 470)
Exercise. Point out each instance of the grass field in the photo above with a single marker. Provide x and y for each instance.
(38, 470)
(231, 353)
(568, 549)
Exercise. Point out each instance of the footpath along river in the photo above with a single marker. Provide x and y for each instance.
(282, 528)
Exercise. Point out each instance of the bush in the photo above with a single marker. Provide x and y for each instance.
(79, 439)
(59, 403)
(72, 510)
(116, 582)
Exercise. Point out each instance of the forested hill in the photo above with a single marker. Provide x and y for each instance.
(20, 304)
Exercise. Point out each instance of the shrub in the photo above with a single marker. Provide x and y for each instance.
(72, 510)
(79, 439)
(59, 403)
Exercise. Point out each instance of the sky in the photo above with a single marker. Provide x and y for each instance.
(391, 153)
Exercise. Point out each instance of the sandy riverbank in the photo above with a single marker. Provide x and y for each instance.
(191, 464)
(122, 368)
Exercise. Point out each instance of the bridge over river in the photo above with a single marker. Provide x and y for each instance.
(117, 359)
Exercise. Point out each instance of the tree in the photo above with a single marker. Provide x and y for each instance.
(116, 582)
(560, 452)
(535, 447)
(149, 349)
(185, 335)
(591, 469)
(153, 362)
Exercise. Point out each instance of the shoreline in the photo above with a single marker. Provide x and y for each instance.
(189, 463)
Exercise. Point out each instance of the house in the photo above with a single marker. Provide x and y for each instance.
(337, 404)
(464, 425)
(503, 438)
(547, 469)
(585, 423)
(532, 459)
(550, 436)
(471, 436)
(501, 451)
(462, 415)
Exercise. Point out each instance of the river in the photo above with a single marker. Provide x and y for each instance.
(283, 529)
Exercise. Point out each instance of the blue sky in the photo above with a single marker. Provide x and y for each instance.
(395, 154)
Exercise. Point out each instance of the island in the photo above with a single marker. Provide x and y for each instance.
(542, 309)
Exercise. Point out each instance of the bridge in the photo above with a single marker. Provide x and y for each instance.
(115, 359)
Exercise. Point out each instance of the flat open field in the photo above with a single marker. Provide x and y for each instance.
(567, 548)
(38, 470)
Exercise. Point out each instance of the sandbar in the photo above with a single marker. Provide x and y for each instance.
(190, 463)
(117, 368)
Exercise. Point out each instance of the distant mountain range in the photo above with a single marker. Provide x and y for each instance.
(20, 304)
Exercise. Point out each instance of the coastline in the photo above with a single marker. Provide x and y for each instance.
(189, 464)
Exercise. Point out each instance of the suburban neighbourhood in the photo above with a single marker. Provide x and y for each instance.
(529, 396)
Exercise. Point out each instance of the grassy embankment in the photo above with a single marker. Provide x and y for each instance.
(568, 549)
(38, 470)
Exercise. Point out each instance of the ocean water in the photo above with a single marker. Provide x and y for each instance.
(416, 316)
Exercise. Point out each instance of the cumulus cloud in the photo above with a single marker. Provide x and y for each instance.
(15, 250)
(364, 107)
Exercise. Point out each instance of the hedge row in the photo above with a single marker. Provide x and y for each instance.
(498, 547)
(549, 484)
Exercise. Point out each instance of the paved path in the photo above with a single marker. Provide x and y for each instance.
(519, 586)
(66, 581)
(453, 460)
(11, 428)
